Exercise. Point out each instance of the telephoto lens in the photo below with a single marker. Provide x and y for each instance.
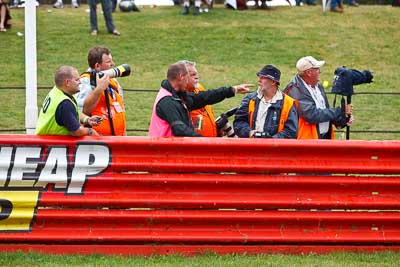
(119, 71)
(228, 130)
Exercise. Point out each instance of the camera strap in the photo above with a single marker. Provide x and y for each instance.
(106, 94)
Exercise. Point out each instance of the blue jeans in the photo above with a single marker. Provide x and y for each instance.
(107, 8)
(308, 2)
(335, 3)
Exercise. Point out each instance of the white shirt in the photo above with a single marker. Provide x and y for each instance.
(263, 109)
(320, 103)
(85, 88)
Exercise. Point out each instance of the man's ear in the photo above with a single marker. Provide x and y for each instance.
(97, 66)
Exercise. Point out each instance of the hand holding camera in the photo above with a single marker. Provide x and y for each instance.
(95, 120)
(119, 71)
(102, 83)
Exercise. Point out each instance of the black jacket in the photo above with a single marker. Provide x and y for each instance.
(175, 109)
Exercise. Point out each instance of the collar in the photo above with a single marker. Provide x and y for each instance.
(167, 85)
(70, 96)
(278, 96)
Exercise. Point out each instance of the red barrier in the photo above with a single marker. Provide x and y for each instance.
(137, 195)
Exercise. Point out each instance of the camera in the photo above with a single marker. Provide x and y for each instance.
(223, 124)
(119, 71)
(262, 135)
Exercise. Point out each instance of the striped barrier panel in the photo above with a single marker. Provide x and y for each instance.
(142, 196)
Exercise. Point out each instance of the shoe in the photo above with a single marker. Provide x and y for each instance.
(74, 4)
(116, 33)
(354, 3)
(58, 4)
(196, 11)
(185, 10)
(337, 10)
(3, 29)
(93, 33)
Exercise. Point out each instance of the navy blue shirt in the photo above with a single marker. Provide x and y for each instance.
(66, 115)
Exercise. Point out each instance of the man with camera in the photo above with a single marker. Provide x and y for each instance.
(316, 118)
(59, 114)
(172, 106)
(267, 113)
(101, 94)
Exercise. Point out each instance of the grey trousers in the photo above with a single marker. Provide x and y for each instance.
(107, 8)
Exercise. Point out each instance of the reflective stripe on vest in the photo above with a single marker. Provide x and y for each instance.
(47, 124)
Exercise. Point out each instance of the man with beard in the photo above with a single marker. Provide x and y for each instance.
(268, 112)
(172, 106)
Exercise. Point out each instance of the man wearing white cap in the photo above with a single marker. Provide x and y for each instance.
(316, 118)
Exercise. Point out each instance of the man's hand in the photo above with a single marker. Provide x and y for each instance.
(251, 133)
(95, 120)
(102, 83)
(92, 132)
(349, 109)
(243, 88)
(350, 121)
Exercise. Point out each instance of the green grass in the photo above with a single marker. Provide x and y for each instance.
(229, 47)
(334, 260)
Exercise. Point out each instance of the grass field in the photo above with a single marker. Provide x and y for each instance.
(330, 260)
(229, 47)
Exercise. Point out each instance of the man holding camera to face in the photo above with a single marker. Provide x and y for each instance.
(101, 95)
(172, 106)
(267, 113)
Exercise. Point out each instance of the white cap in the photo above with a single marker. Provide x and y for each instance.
(306, 63)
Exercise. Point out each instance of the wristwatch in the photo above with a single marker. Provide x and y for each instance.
(90, 132)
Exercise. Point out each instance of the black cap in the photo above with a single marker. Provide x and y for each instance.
(270, 72)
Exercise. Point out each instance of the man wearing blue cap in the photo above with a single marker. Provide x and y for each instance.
(267, 112)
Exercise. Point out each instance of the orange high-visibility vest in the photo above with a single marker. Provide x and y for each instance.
(287, 105)
(117, 111)
(203, 119)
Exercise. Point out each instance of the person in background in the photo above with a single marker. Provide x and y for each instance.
(172, 106)
(106, 6)
(105, 97)
(4, 15)
(267, 113)
(316, 118)
(308, 2)
(60, 4)
(59, 114)
(186, 7)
